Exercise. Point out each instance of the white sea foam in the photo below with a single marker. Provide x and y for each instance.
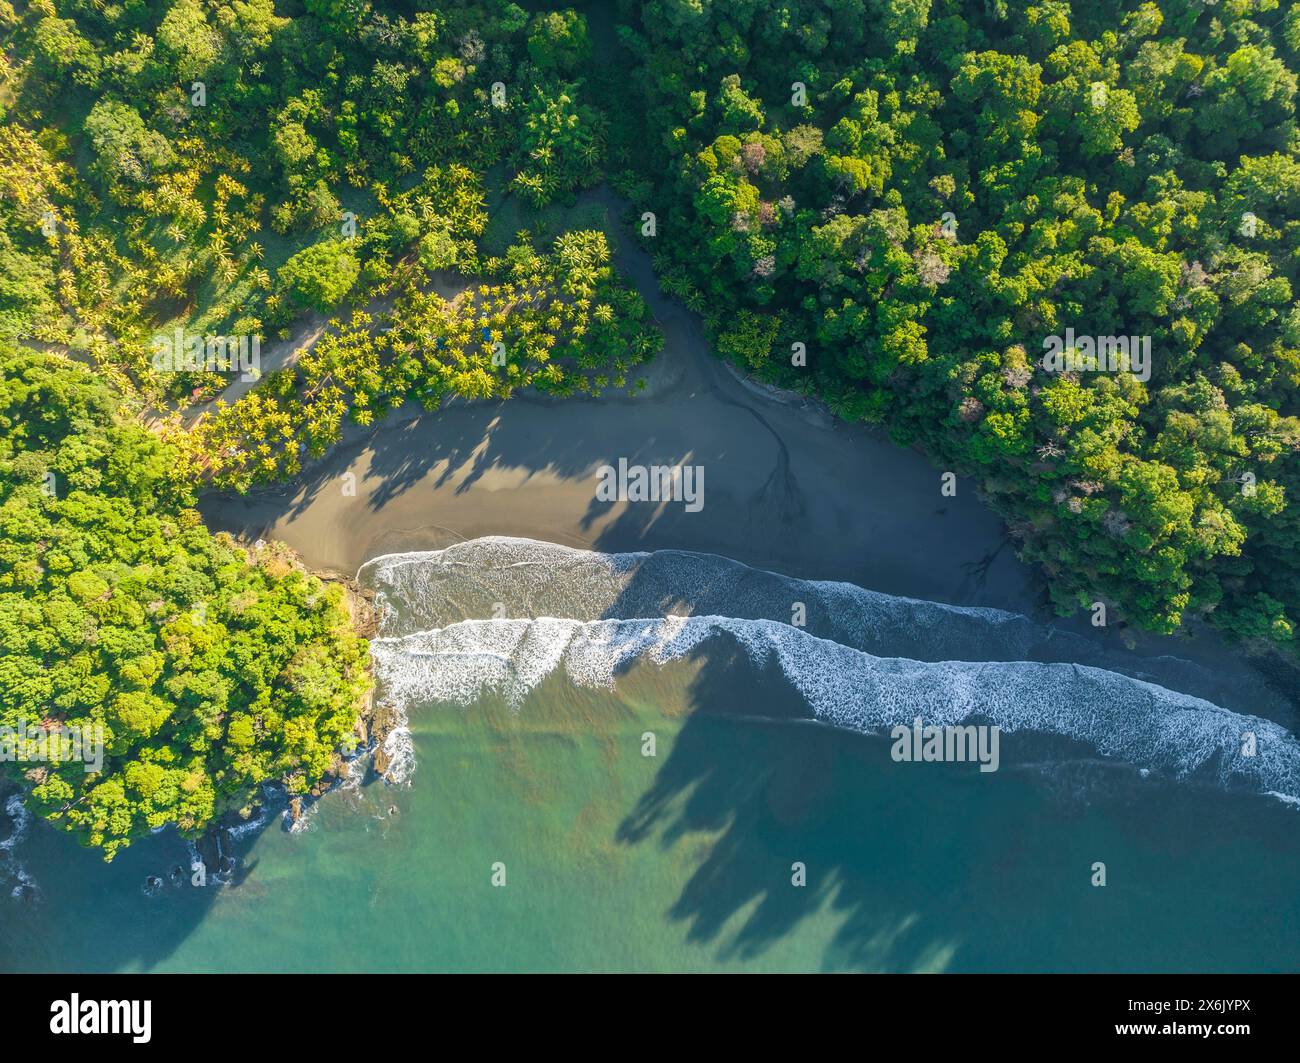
(303, 823)
(399, 747)
(21, 818)
(271, 799)
(865, 661)
(356, 766)
(13, 870)
(1127, 719)
(499, 577)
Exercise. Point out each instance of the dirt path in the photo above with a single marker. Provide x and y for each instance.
(784, 486)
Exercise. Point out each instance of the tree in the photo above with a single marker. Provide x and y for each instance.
(321, 275)
(126, 150)
(190, 45)
(557, 41)
(203, 669)
(437, 250)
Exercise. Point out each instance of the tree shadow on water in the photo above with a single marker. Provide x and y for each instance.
(79, 913)
(940, 867)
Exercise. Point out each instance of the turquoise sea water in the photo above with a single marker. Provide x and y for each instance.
(526, 752)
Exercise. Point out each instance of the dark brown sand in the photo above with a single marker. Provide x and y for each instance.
(786, 487)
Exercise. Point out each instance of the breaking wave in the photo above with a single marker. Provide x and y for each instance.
(1128, 719)
(501, 615)
(505, 578)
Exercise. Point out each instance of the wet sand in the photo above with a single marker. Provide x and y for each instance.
(785, 486)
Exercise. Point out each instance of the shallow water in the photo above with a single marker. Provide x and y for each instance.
(528, 752)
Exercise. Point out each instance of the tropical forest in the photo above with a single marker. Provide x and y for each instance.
(886, 207)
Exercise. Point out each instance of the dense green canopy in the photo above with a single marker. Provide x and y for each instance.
(922, 192)
(898, 206)
(207, 669)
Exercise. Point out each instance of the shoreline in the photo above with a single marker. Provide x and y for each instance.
(787, 488)
(779, 473)
(373, 723)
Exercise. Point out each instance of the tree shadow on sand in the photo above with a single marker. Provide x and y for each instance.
(523, 439)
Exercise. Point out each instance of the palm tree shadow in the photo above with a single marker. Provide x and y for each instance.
(915, 867)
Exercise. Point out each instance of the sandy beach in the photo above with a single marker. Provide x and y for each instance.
(786, 488)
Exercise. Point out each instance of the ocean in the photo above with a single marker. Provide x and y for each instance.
(672, 762)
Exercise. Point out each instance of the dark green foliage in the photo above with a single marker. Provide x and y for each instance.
(210, 670)
(922, 192)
